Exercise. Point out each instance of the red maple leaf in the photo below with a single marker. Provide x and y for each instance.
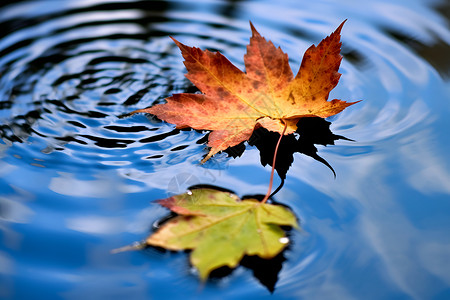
(234, 103)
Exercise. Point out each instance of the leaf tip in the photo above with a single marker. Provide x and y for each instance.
(176, 205)
(203, 274)
(133, 247)
(351, 103)
(174, 39)
(210, 154)
(338, 30)
(178, 43)
(205, 159)
(254, 31)
(143, 110)
(166, 202)
(171, 204)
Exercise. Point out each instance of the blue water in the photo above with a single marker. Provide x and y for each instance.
(77, 180)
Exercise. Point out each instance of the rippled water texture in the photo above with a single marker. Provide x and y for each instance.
(77, 179)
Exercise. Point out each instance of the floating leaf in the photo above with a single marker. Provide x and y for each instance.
(220, 228)
(234, 103)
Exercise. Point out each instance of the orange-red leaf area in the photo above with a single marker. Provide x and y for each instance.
(234, 103)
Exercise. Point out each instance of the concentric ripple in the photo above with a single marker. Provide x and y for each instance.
(69, 75)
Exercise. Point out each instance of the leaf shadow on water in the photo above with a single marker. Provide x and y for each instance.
(311, 131)
(266, 271)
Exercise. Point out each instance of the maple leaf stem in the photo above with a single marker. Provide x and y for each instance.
(273, 163)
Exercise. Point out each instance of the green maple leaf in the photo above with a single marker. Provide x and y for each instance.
(220, 228)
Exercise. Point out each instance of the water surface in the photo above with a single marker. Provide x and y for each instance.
(77, 180)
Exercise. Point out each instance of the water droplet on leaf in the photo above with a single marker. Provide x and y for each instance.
(284, 240)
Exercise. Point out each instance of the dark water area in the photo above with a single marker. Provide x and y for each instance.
(77, 179)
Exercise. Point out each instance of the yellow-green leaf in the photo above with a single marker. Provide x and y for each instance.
(220, 228)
